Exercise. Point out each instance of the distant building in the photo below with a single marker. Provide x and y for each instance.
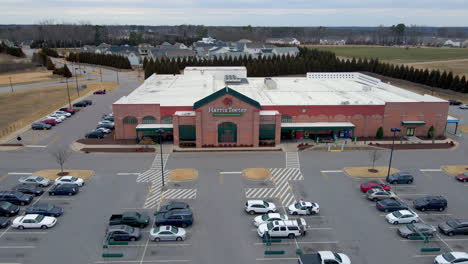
(144, 48)
(465, 44)
(332, 42)
(450, 43)
(244, 41)
(289, 41)
(208, 40)
(291, 51)
(7, 43)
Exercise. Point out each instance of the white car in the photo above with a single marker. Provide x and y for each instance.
(268, 218)
(56, 118)
(62, 113)
(259, 207)
(104, 130)
(402, 217)
(452, 257)
(463, 106)
(303, 208)
(333, 257)
(34, 221)
(106, 122)
(69, 180)
(167, 233)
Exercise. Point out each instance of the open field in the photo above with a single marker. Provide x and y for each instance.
(22, 107)
(26, 77)
(459, 67)
(397, 54)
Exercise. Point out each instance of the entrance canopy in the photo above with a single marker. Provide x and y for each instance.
(317, 126)
(413, 123)
(452, 120)
(154, 127)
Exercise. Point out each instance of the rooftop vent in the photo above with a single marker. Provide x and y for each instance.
(269, 83)
(344, 102)
(232, 79)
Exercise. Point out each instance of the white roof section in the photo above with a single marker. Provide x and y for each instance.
(150, 126)
(269, 112)
(318, 124)
(315, 89)
(185, 113)
(452, 118)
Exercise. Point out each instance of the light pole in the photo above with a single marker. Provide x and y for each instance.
(76, 80)
(11, 85)
(68, 92)
(117, 76)
(160, 132)
(394, 130)
(100, 73)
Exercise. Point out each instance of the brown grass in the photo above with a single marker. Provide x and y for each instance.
(26, 77)
(363, 172)
(457, 67)
(256, 174)
(53, 174)
(20, 108)
(463, 128)
(178, 175)
(455, 169)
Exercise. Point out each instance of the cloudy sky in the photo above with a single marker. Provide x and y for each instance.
(239, 12)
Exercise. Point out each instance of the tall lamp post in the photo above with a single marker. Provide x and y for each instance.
(394, 130)
(76, 80)
(161, 132)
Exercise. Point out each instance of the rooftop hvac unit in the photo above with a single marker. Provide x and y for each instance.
(366, 88)
(270, 83)
(232, 79)
(344, 102)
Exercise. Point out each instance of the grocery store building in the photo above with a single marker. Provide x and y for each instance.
(222, 106)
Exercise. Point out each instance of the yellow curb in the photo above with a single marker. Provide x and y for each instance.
(363, 172)
(179, 175)
(52, 174)
(258, 174)
(454, 170)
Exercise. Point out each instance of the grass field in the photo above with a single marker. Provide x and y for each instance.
(457, 67)
(397, 54)
(19, 108)
(26, 77)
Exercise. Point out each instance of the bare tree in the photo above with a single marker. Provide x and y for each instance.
(374, 156)
(61, 156)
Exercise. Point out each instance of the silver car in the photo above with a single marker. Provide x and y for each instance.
(167, 233)
(377, 194)
(37, 180)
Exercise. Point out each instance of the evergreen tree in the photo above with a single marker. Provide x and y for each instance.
(50, 65)
(66, 72)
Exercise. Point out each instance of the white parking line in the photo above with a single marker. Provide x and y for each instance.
(19, 173)
(331, 171)
(35, 146)
(128, 173)
(230, 172)
(145, 261)
(423, 256)
(160, 244)
(16, 247)
(25, 233)
(301, 242)
(430, 170)
(58, 199)
(267, 259)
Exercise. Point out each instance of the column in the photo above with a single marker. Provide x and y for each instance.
(256, 128)
(175, 129)
(277, 130)
(198, 126)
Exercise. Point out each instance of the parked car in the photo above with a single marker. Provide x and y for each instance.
(463, 106)
(372, 185)
(452, 258)
(68, 110)
(123, 233)
(108, 117)
(56, 119)
(179, 217)
(106, 122)
(34, 221)
(259, 207)
(258, 220)
(462, 177)
(8, 209)
(38, 180)
(108, 126)
(303, 208)
(434, 202)
(378, 194)
(324, 257)
(4, 222)
(50, 121)
(80, 104)
(94, 134)
(103, 130)
(45, 209)
(454, 102)
(134, 219)
(66, 114)
(454, 227)
(100, 92)
(69, 180)
(172, 206)
(89, 102)
(29, 188)
(40, 126)
(167, 233)
(402, 217)
(400, 177)
(390, 205)
(415, 230)
(14, 197)
(64, 189)
(286, 228)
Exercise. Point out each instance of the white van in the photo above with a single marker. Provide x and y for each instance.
(286, 228)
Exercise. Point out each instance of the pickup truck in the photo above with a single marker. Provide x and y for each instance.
(324, 257)
(133, 219)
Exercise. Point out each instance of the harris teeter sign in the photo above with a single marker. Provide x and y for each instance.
(228, 111)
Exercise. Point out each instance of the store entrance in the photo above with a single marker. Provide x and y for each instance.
(227, 132)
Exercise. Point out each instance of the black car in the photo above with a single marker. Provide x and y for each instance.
(179, 217)
(88, 102)
(390, 205)
(8, 209)
(95, 134)
(454, 227)
(435, 202)
(45, 209)
(108, 126)
(80, 104)
(454, 102)
(40, 126)
(14, 197)
(64, 189)
(400, 177)
(29, 189)
(172, 206)
(4, 221)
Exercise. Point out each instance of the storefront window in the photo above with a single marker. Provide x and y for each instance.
(166, 120)
(286, 119)
(149, 120)
(130, 120)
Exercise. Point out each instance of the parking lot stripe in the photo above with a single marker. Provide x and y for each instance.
(331, 171)
(145, 261)
(128, 173)
(230, 172)
(268, 259)
(301, 242)
(19, 173)
(16, 247)
(35, 146)
(423, 256)
(26, 232)
(430, 170)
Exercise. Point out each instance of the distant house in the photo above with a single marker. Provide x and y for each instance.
(465, 44)
(289, 41)
(88, 48)
(338, 42)
(104, 46)
(178, 45)
(450, 43)
(208, 40)
(291, 51)
(144, 48)
(7, 43)
(244, 41)
(171, 53)
(167, 44)
(216, 51)
(131, 52)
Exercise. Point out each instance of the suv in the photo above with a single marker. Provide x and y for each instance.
(40, 126)
(64, 189)
(179, 217)
(286, 228)
(390, 205)
(172, 206)
(400, 177)
(123, 233)
(379, 194)
(259, 207)
(430, 203)
(454, 102)
(80, 104)
(95, 134)
(454, 227)
(17, 198)
(88, 102)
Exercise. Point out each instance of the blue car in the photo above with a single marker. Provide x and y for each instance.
(390, 205)
(64, 189)
(45, 209)
(400, 177)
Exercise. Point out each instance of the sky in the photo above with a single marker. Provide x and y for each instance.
(238, 12)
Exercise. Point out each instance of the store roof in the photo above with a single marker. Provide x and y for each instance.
(346, 89)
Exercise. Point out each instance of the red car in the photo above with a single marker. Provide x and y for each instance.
(100, 92)
(370, 185)
(51, 122)
(71, 111)
(463, 177)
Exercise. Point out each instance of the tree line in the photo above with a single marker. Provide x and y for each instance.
(43, 59)
(311, 60)
(17, 52)
(110, 60)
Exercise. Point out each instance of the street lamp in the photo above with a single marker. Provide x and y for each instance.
(161, 132)
(76, 80)
(394, 130)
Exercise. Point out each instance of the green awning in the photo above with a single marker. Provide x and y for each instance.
(154, 127)
(413, 123)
